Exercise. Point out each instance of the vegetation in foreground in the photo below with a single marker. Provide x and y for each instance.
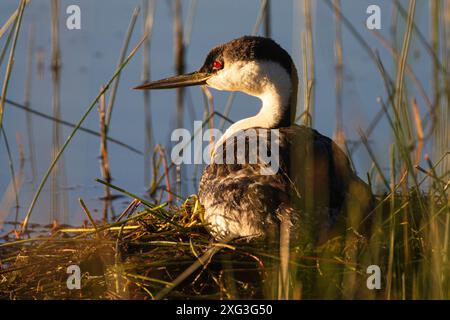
(150, 245)
(139, 254)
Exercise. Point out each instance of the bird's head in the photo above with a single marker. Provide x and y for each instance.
(253, 65)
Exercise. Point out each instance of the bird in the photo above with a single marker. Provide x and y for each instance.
(313, 182)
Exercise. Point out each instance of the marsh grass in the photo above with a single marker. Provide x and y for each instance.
(9, 66)
(157, 243)
(148, 12)
(144, 250)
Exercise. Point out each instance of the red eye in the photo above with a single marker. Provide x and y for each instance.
(217, 65)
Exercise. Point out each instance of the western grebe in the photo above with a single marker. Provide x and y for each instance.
(314, 180)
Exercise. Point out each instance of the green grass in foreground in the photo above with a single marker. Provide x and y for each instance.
(139, 255)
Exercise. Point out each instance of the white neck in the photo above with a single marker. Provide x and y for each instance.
(270, 83)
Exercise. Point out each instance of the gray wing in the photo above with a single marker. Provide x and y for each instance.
(314, 177)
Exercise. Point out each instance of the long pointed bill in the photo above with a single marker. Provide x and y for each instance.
(185, 80)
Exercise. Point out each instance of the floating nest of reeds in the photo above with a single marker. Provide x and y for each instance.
(144, 250)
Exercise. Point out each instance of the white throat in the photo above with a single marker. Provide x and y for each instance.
(266, 80)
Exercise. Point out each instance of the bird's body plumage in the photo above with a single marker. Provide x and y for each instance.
(310, 187)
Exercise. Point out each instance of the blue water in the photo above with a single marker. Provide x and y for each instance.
(89, 58)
